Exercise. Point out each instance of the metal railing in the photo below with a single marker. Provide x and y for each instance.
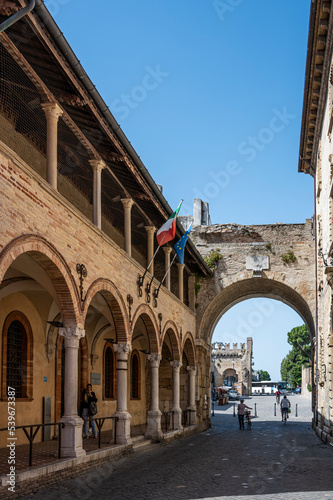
(186, 420)
(167, 419)
(100, 422)
(31, 434)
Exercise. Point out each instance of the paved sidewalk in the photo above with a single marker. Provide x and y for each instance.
(270, 461)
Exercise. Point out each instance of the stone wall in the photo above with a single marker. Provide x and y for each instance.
(274, 261)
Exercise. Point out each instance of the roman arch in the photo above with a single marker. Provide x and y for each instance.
(270, 261)
(274, 261)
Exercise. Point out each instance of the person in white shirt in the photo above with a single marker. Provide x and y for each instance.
(285, 405)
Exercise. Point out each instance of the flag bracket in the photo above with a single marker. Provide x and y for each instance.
(140, 284)
(155, 295)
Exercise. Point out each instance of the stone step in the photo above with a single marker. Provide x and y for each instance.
(140, 442)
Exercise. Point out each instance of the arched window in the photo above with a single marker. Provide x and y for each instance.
(135, 375)
(109, 387)
(17, 356)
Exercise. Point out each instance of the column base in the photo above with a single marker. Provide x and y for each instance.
(192, 415)
(177, 419)
(154, 430)
(71, 437)
(123, 426)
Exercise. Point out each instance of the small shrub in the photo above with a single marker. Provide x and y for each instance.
(212, 259)
(309, 387)
(288, 257)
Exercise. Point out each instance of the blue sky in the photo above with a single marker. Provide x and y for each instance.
(210, 95)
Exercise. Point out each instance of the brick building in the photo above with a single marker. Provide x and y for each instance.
(316, 159)
(79, 213)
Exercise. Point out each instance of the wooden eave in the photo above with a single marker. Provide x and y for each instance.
(317, 74)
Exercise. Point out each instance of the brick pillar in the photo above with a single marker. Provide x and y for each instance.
(52, 111)
(177, 412)
(97, 166)
(167, 251)
(127, 204)
(181, 281)
(191, 393)
(154, 414)
(123, 424)
(150, 247)
(71, 435)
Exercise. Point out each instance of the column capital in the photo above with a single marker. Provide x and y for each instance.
(155, 360)
(97, 165)
(72, 335)
(180, 266)
(127, 202)
(167, 249)
(191, 368)
(150, 229)
(122, 350)
(52, 109)
(176, 365)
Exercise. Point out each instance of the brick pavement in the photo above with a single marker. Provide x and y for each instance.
(271, 461)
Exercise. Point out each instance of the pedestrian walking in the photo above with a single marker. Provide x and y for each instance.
(241, 412)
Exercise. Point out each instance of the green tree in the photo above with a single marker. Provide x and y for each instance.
(291, 365)
(264, 375)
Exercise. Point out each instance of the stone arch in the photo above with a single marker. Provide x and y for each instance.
(171, 329)
(150, 322)
(253, 288)
(189, 344)
(55, 266)
(117, 306)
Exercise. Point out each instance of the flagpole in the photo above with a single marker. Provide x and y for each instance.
(153, 257)
(166, 273)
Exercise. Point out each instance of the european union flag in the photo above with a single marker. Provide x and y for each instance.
(180, 245)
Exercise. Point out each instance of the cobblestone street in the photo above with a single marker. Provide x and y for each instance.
(270, 461)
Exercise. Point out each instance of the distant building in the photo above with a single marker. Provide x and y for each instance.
(233, 366)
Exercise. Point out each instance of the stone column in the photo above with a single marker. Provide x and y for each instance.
(71, 435)
(123, 424)
(181, 281)
(150, 247)
(177, 412)
(97, 166)
(191, 395)
(127, 204)
(154, 414)
(167, 251)
(52, 111)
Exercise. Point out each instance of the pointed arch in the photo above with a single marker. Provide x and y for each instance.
(117, 306)
(171, 329)
(188, 347)
(148, 317)
(54, 265)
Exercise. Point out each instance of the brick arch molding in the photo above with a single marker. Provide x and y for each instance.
(54, 265)
(171, 328)
(151, 324)
(117, 304)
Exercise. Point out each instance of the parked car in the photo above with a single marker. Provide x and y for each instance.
(298, 390)
(233, 395)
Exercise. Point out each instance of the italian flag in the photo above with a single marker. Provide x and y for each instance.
(167, 232)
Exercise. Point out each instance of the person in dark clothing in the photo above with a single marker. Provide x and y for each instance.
(88, 396)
